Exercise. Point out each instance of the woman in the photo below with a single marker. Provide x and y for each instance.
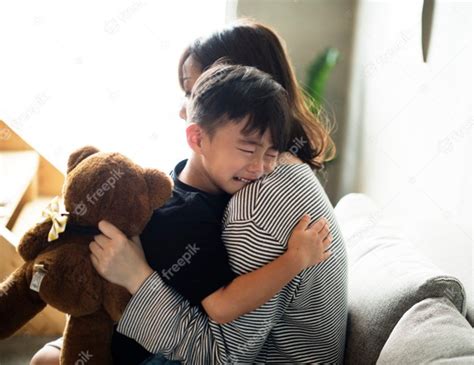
(306, 321)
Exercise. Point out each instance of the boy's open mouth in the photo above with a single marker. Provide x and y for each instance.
(243, 179)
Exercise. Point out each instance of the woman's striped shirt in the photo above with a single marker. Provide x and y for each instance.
(304, 323)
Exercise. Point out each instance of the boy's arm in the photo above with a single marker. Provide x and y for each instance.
(246, 293)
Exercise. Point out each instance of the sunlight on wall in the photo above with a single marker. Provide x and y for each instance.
(413, 122)
(100, 73)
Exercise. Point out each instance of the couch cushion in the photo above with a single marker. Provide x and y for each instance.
(432, 331)
(470, 311)
(387, 276)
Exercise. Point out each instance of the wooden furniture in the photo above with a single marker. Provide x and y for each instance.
(27, 183)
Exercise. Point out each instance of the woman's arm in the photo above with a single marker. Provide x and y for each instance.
(157, 317)
(306, 247)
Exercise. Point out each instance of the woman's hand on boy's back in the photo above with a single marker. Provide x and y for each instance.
(118, 259)
(309, 242)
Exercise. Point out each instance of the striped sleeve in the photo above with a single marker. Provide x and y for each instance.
(162, 321)
(244, 337)
(305, 322)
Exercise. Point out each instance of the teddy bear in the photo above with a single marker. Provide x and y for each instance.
(58, 270)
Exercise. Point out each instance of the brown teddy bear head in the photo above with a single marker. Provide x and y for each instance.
(109, 186)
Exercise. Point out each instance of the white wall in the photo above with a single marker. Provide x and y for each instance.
(409, 145)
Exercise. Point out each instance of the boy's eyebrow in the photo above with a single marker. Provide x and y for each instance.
(254, 143)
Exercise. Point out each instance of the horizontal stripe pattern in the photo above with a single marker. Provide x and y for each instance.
(304, 323)
(162, 321)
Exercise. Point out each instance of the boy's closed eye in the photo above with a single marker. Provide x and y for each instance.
(269, 154)
(246, 151)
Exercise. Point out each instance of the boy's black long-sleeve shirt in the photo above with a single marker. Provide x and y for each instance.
(182, 242)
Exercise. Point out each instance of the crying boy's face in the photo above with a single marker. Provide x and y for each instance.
(232, 159)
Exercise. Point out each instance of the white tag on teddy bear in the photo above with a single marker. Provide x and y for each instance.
(38, 277)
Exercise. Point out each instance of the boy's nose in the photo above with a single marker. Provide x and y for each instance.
(257, 168)
(269, 167)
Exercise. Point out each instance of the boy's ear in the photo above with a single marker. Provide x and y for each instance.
(194, 135)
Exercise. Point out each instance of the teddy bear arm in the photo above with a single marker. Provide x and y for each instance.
(88, 339)
(18, 303)
(34, 241)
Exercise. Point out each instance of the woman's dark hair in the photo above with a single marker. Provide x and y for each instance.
(229, 93)
(249, 43)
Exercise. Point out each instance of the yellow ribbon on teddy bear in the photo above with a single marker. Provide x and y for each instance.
(52, 213)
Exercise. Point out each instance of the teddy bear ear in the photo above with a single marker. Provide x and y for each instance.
(160, 187)
(78, 155)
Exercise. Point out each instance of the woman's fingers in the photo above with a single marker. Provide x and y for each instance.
(96, 250)
(101, 240)
(95, 261)
(109, 230)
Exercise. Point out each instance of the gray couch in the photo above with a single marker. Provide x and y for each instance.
(402, 308)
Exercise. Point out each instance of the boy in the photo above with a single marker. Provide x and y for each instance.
(240, 122)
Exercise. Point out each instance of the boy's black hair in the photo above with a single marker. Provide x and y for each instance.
(232, 92)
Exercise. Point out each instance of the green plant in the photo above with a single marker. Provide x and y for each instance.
(318, 74)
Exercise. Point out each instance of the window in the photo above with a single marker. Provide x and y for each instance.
(100, 73)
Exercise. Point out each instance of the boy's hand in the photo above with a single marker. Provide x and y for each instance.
(119, 259)
(309, 243)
